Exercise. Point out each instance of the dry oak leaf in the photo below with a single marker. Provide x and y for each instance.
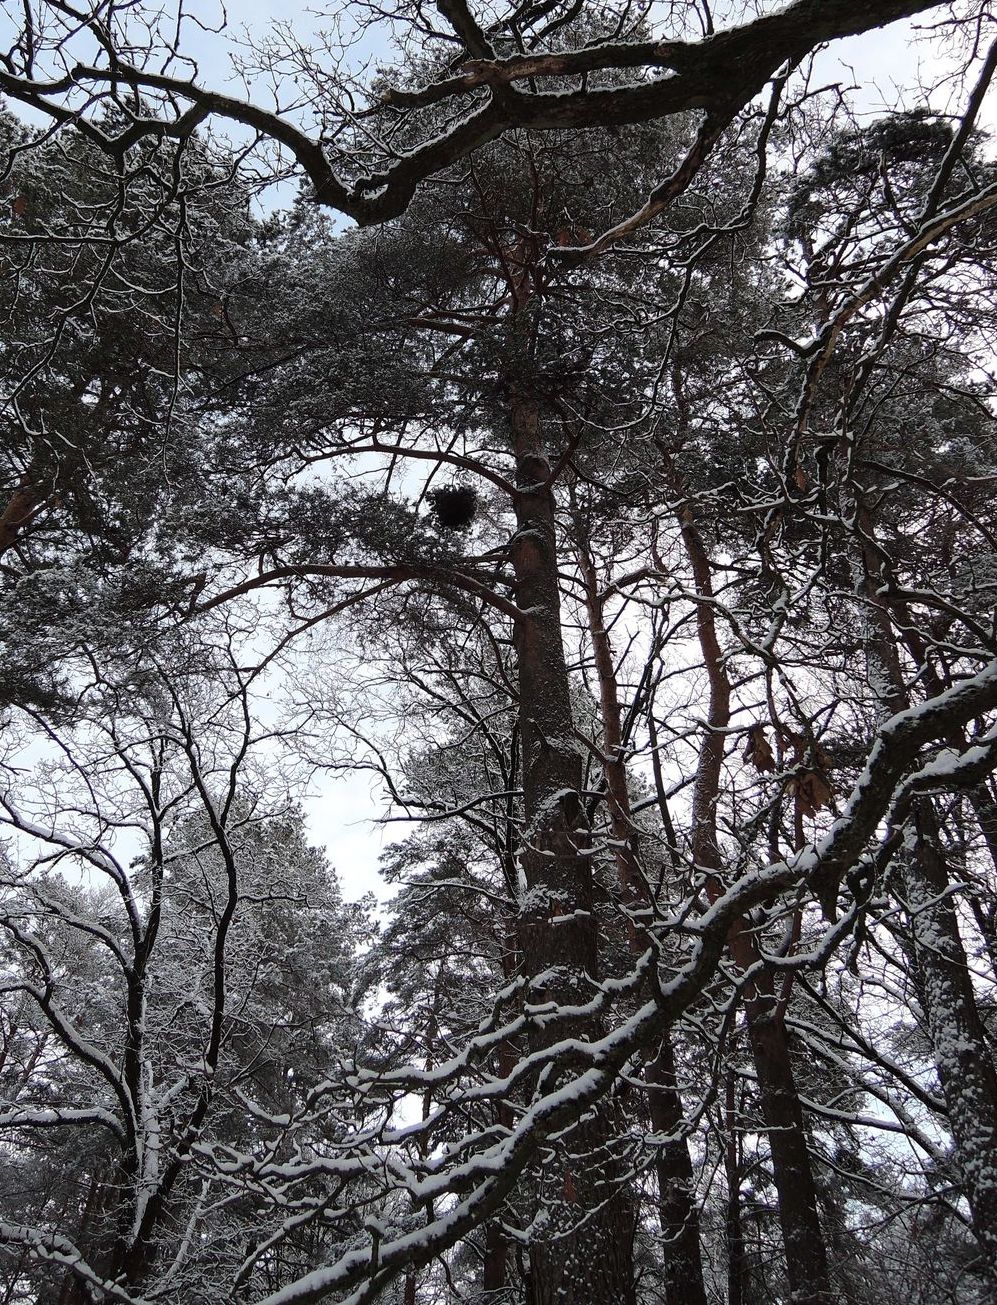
(812, 790)
(758, 750)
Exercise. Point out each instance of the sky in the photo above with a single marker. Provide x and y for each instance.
(887, 66)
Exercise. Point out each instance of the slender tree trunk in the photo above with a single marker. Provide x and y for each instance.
(494, 1266)
(88, 1239)
(985, 914)
(792, 1172)
(965, 1066)
(803, 1241)
(678, 1214)
(408, 1292)
(733, 1224)
(940, 970)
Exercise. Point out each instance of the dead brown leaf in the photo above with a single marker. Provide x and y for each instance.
(759, 750)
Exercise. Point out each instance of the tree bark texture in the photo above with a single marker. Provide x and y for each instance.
(803, 1241)
(962, 1056)
(582, 1252)
(940, 970)
(678, 1213)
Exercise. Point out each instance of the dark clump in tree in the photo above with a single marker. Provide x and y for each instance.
(455, 506)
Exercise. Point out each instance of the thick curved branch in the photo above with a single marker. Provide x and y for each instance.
(718, 76)
(61, 1117)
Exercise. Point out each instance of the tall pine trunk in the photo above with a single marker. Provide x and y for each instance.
(678, 1213)
(792, 1172)
(582, 1252)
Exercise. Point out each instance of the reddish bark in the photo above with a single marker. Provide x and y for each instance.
(678, 1215)
(571, 1262)
(21, 507)
(803, 1241)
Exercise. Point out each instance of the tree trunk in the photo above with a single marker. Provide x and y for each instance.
(583, 1248)
(88, 1238)
(678, 1214)
(408, 1292)
(802, 1236)
(494, 1266)
(21, 507)
(966, 1071)
(734, 1230)
(940, 970)
(803, 1242)
(985, 912)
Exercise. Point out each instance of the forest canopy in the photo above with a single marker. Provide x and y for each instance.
(576, 424)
